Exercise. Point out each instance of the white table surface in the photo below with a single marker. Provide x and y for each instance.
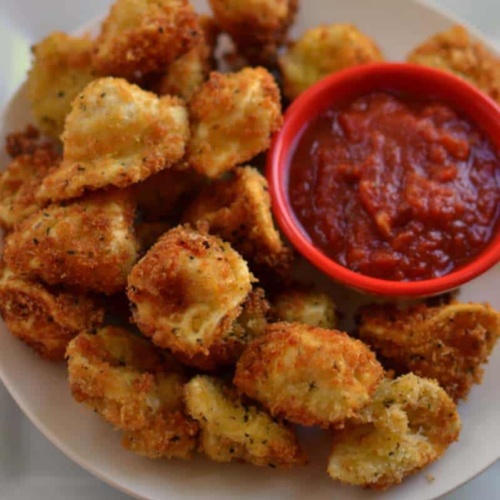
(30, 466)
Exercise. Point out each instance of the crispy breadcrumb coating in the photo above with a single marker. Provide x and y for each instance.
(89, 244)
(142, 36)
(308, 375)
(186, 74)
(447, 343)
(167, 436)
(298, 305)
(163, 195)
(231, 430)
(25, 142)
(249, 325)
(409, 424)
(117, 134)
(233, 116)
(324, 50)
(239, 211)
(21, 180)
(187, 291)
(127, 381)
(60, 70)
(456, 51)
(258, 27)
(45, 318)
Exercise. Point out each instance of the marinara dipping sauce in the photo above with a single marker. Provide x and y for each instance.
(394, 187)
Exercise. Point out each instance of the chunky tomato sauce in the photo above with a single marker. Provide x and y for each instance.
(395, 188)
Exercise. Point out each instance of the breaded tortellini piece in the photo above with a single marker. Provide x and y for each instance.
(187, 291)
(60, 70)
(447, 343)
(239, 211)
(231, 430)
(162, 196)
(311, 307)
(324, 50)
(258, 27)
(142, 36)
(45, 318)
(89, 244)
(409, 424)
(115, 135)
(233, 117)
(189, 71)
(20, 182)
(308, 375)
(456, 51)
(135, 388)
(226, 351)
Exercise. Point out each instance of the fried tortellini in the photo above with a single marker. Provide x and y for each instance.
(456, 51)
(447, 343)
(141, 36)
(187, 291)
(308, 375)
(89, 244)
(410, 423)
(258, 27)
(249, 325)
(45, 318)
(324, 50)
(21, 180)
(298, 305)
(135, 388)
(233, 116)
(231, 430)
(186, 74)
(239, 211)
(116, 135)
(60, 70)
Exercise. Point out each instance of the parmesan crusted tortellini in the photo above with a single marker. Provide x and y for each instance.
(231, 430)
(88, 244)
(456, 51)
(187, 291)
(135, 388)
(115, 135)
(45, 318)
(20, 182)
(448, 343)
(258, 27)
(226, 351)
(189, 71)
(141, 36)
(324, 50)
(409, 424)
(60, 71)
(233, 116)
(308, 375)
(299, 305)
(239, 211)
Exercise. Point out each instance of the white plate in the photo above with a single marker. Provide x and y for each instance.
(41, 391)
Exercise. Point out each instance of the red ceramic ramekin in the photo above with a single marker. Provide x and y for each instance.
(345, 86)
